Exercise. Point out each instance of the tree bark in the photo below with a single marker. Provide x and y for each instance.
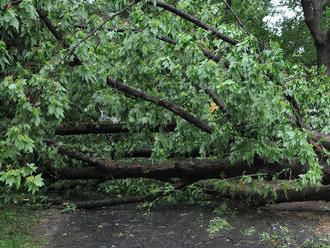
(192, 170)
(323, 53)
(197, 22)
(301, 206)
(290, 195)
(313, 12)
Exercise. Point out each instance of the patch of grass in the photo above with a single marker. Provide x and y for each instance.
(218, 224)
(249, 231)
(281, 238)
(15, 227)
(223, 209)
(322, 243)
(68, 207)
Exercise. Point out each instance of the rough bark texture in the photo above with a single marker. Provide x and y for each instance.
(301, 206)
(197, 22)
(323, 53)
(191, 170)
(306, 194)
(313, 12)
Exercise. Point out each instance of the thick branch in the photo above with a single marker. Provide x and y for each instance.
(307, 194)
(51, 28)
(187, 170)
(93, 128)
(193, 169)
(294, 106)
(114, 202)
(12, 3)
(161, 102)
(312, 12)
(320, 137)
(308, 205)
(57, 35)
(197, 22)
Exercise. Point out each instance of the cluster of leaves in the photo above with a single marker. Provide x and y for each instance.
(131, 187)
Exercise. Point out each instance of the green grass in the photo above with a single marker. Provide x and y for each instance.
(15, 228)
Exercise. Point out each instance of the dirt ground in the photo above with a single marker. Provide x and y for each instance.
(185, 226)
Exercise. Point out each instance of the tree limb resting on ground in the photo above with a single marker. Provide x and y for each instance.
(192, 170)
(306, 194)
(119, 201)
(301, 206)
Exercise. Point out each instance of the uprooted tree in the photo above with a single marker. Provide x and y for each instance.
(193, 98)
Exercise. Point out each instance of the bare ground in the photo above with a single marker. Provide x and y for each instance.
(183, 226)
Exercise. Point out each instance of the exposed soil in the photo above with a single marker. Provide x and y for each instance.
(185, 226)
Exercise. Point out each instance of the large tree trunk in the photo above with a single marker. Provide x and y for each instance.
(186, 170)
(314, 11)
(323, 53)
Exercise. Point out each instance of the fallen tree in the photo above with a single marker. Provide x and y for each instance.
(187, 170)
(226, 106)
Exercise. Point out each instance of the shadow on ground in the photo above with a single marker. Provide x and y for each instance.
(183, 226)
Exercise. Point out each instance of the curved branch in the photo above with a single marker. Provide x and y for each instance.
(197, 22)
(57, 35)
(204, 126)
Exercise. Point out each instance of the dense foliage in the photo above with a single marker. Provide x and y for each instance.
(41, 88)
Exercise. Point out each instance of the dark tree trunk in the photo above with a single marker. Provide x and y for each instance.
(323, 53)
(314, 12)
(290, 195)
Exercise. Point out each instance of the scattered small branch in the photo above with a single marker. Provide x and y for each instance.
(119, 201)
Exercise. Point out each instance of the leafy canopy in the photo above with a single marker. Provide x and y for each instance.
(36, 97)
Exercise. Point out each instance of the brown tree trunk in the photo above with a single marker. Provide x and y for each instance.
(314, 12)
(323, 53)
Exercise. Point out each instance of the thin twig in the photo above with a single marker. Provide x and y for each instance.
(71, 50)
(241, 24)
(236, 17)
